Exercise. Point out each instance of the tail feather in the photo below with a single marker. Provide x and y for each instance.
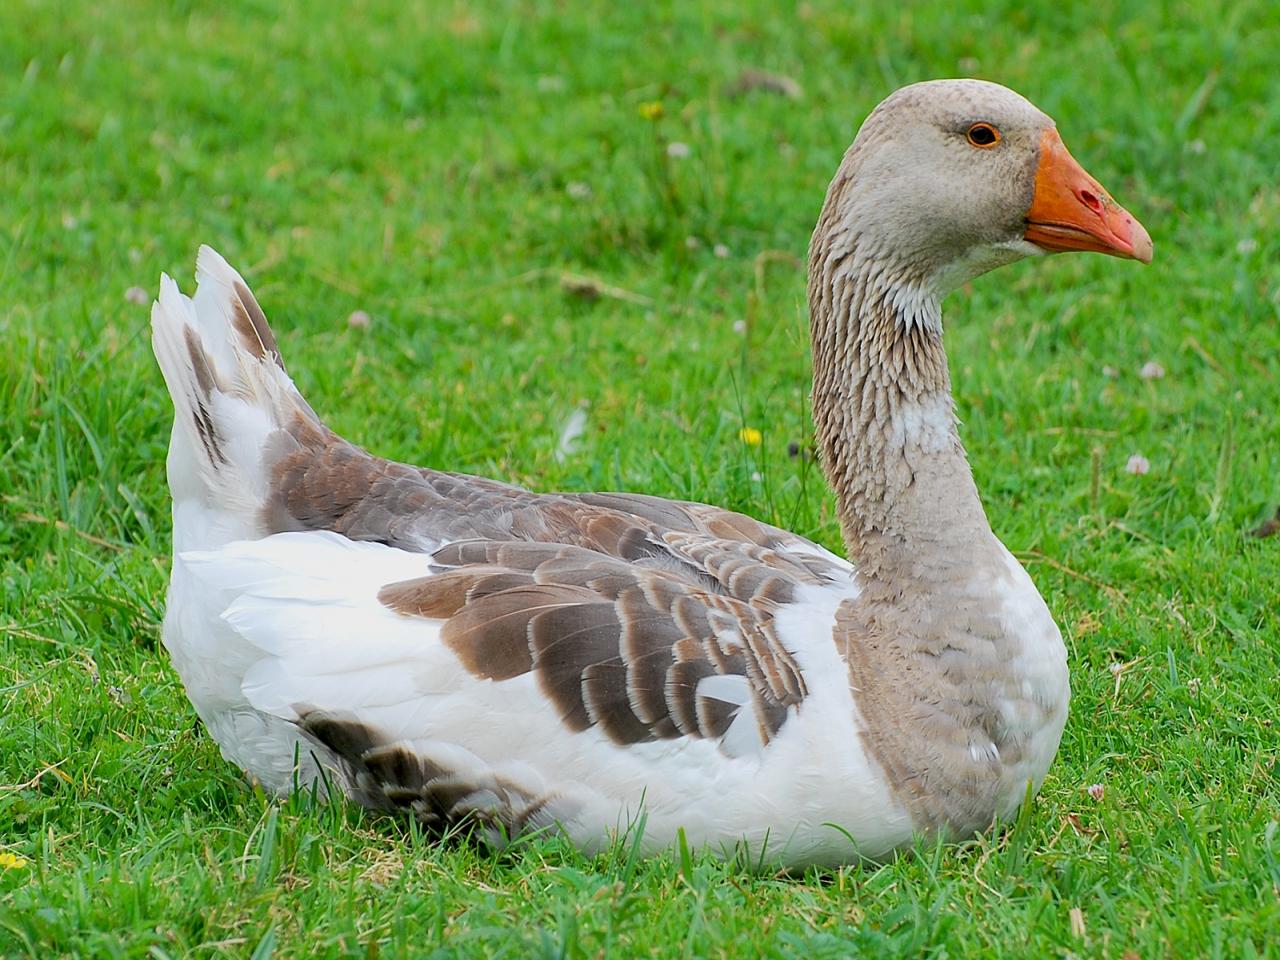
(226, 306)
(230, 393)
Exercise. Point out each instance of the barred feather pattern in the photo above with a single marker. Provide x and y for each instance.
(638, 652)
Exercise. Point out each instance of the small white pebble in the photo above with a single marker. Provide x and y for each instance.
(720, 250)
(1151, 371)
(136, 295)
(359, 319)
(1096, 790)
(1138, 465)
(1110, 372)
(740, 326)
(1246, 246)
(578, 190)
(677, 150)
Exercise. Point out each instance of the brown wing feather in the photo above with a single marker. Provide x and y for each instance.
(321, 482)
(611, 644)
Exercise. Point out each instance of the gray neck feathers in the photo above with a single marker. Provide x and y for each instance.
(883, 410)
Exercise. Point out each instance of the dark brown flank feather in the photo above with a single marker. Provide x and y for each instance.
(394, 776)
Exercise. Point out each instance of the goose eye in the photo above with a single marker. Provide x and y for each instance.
(983, 135)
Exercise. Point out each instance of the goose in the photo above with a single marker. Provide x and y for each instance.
(468, 652)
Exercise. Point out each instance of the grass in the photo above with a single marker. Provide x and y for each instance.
(456, 171)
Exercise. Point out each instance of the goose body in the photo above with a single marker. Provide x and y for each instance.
(460, 648)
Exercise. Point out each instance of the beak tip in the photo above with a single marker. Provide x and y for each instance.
(1142, 246)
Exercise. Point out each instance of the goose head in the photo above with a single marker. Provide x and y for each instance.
(948, 179)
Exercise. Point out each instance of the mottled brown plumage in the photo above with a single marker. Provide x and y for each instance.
(612, 643)
(321, 482)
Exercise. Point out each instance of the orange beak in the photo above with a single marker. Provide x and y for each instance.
(1071, 211)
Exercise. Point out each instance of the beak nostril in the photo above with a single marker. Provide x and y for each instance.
(1090, 200)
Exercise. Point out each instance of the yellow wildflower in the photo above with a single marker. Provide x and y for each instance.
(12, 861)
(750, 436)
(651, 109)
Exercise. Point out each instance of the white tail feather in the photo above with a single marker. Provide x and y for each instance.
(230, 394)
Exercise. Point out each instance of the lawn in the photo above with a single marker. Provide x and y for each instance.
(543, 208)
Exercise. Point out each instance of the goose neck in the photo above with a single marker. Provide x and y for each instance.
(884, 416)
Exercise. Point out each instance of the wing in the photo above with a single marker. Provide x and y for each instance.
(641, 653)
(622, 619)
(318, 481)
